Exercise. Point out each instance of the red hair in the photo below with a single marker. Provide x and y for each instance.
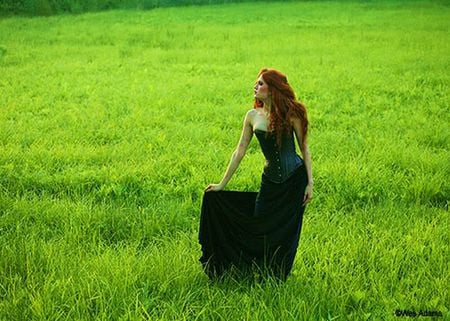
(284, 105)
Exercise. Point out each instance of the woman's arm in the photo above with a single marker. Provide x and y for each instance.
(297, 125)
(238, 154)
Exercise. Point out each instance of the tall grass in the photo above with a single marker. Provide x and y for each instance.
(112, 124)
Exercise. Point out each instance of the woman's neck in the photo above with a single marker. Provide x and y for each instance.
(267, 106)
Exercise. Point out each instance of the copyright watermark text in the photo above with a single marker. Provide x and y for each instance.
(415, 314)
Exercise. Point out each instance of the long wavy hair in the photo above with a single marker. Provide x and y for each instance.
(284, 105)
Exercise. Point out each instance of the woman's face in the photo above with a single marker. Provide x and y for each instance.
(261, 89)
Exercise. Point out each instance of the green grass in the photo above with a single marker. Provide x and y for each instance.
(112, 124)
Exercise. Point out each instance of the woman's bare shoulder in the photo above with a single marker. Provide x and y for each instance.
(250, 116)
(295, 121)
(251, 113)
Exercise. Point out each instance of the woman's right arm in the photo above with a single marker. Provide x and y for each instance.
(238, 154)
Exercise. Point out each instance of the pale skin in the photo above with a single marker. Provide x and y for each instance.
(259, 119)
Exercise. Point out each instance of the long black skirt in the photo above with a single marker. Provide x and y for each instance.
(247, 230)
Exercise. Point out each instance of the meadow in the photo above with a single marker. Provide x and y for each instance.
(112, 123)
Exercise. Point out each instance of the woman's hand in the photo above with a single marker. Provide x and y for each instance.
(214, 187)
(308, 194)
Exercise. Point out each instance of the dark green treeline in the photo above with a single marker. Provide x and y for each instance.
(52, 7)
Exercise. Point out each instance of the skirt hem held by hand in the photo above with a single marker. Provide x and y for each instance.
(247, 230)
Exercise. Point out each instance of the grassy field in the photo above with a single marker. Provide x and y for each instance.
(112, 124)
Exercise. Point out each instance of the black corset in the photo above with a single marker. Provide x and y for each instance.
(280, 162)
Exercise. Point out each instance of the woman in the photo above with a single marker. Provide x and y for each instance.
(244, 230)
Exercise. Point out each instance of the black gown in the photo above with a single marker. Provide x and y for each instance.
(245, 231)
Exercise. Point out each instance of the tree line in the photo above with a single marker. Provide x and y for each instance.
(53, 7)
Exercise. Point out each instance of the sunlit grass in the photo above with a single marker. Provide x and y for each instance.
(112, 123)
